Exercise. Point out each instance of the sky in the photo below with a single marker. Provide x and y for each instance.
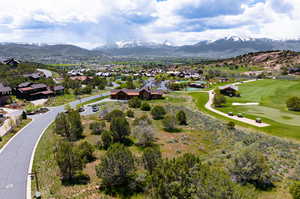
(91, 23)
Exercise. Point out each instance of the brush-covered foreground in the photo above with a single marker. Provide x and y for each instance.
(209, 139)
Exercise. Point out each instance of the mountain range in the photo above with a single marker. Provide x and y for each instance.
(221, 48)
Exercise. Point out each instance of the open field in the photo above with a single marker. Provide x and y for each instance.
(66, 98)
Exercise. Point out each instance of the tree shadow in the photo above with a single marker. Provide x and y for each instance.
(176, 130)
(79, 179)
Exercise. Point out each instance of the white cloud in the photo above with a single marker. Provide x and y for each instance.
(89, 23)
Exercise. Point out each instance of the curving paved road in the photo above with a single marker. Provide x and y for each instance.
(15, 157)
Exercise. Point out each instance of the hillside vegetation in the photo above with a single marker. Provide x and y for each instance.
(269, 59)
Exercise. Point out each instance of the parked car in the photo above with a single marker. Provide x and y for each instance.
(95, 108)
(81, 109)
(258, 120)
(240, 115)
(230, 113)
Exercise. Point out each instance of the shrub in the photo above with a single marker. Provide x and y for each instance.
(134, 102)
(158, 112)
(107, 139)
(231, 125)
(130, 113)
(24, 115)
(187, 177)
(145, 135)
(250, 166)
(116, 168)
(114, 114)
(219, 100)
(143, 120)
(169, 123)
(293, 104)
(97, 127)
(145, 106)
(181, 118)
(295, 190)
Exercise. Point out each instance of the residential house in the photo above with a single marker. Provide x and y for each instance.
(12, 62)
(5, 93)
(58, 90)
(31, 91)
(229, 90)
(145, 94)
(84, 79)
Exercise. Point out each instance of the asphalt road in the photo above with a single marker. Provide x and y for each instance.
(16, 155)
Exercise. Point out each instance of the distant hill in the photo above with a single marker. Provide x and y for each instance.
(219, 49)
(222, 48)
(23, 50)
(269, 59)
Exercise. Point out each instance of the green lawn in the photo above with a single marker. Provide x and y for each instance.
(271, 94)
(67, 98)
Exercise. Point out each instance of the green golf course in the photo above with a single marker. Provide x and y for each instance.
(271, 96)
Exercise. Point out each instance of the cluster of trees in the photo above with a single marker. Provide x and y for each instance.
(68, 125)
(71, 158)
(137, 103)
(98, 82)
(293, 103)
(182, 177)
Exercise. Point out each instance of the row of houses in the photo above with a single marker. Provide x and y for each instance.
(145, 94)
(29, 91)
(32, 91)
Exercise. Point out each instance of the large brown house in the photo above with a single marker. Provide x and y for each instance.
(229, 90)
(5, 92)
(126, 94)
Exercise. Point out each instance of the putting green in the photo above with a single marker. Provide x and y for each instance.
(272, 114)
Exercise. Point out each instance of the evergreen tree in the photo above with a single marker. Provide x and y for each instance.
(107, 139)
(76, 128)
(68, 160)
(117, 167)
(86, 151)
(120, 128)
(151, 158)
(62, 125)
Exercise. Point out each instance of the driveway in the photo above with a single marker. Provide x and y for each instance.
(16, 157)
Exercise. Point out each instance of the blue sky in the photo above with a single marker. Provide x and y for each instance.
(90, 23)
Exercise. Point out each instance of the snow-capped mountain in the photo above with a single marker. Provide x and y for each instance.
(134, 44)
(225, 47)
